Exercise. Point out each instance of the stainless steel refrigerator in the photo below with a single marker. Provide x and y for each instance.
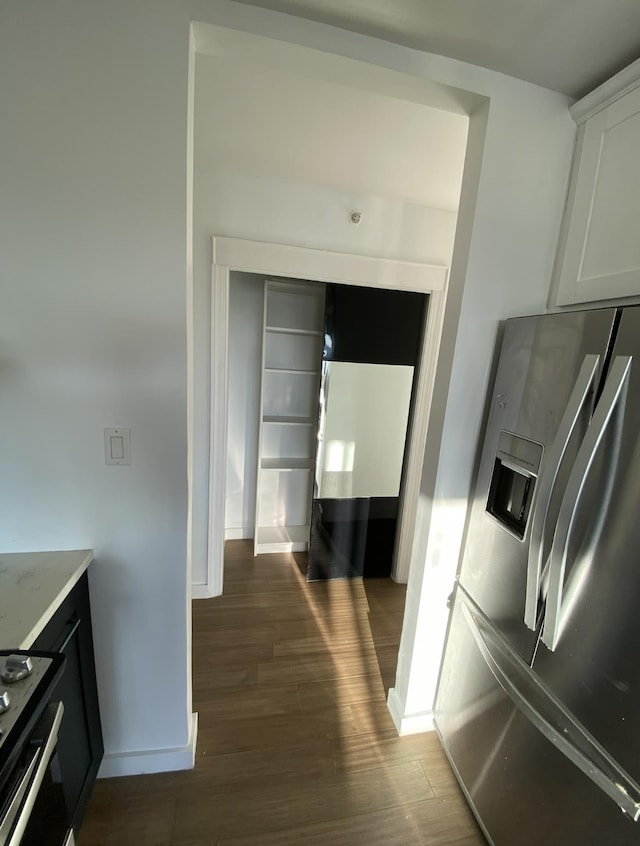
(538, 703)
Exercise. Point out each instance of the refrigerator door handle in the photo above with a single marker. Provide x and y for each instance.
(582, 391)
(547, 714)
(559, 598)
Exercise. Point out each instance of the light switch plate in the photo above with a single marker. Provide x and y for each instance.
(117, 446)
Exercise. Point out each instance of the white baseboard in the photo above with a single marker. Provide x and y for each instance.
(152, 760)
(201, 592)
(241, 533)
(408, 723)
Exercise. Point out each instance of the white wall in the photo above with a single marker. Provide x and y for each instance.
(93, 98)
(246, 297)
(509, 219)
(302, 129)
(93, 258)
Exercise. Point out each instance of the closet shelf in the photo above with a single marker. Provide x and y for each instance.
(289, 421)
(291, 331)
(286, 464)
(291, 370)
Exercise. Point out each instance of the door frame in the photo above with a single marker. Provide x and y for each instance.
(287, 260)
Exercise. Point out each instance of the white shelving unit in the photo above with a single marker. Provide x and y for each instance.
(291, 363)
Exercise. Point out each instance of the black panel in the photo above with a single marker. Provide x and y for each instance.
(510, 497)
(356, 537)
(48, 823)
(80, 746)
(352, 537)
(372, 325)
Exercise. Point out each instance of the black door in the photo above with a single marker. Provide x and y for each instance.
(371, 344)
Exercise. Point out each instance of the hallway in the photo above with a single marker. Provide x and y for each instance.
(295, 742)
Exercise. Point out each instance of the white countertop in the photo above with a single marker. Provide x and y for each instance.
(33, 585)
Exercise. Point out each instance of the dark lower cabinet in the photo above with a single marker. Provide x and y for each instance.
(80, 747)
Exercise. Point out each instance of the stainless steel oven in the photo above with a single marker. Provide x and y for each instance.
(32, 807)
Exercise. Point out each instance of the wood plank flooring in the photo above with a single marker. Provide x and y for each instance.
(295, 742)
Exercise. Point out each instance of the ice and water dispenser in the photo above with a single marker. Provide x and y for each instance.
(515, 471)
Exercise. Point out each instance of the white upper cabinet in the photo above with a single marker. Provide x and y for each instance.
(600, 249)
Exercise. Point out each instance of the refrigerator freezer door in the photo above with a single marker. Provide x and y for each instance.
(531, 773)
(607, 415)
(594, 669)
(541, 361)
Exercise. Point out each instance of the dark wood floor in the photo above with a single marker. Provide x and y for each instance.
(295, 744)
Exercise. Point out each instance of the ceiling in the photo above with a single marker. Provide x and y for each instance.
(569, 46)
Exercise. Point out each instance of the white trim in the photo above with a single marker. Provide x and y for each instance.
(416, 440)
(190, 308)
(410, 724)
(295, 262)
(218, 423)
(285, 260)
(607, 93)
(191, 369)
(256, 504)
(152, 760)
(201, 591)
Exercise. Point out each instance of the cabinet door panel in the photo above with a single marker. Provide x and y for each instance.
(74, 745)
(602, 252)
(80, 746)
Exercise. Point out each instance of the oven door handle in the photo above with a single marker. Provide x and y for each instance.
(14, 822)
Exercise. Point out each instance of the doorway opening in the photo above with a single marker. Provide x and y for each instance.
(284, 261)
(322, 378)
